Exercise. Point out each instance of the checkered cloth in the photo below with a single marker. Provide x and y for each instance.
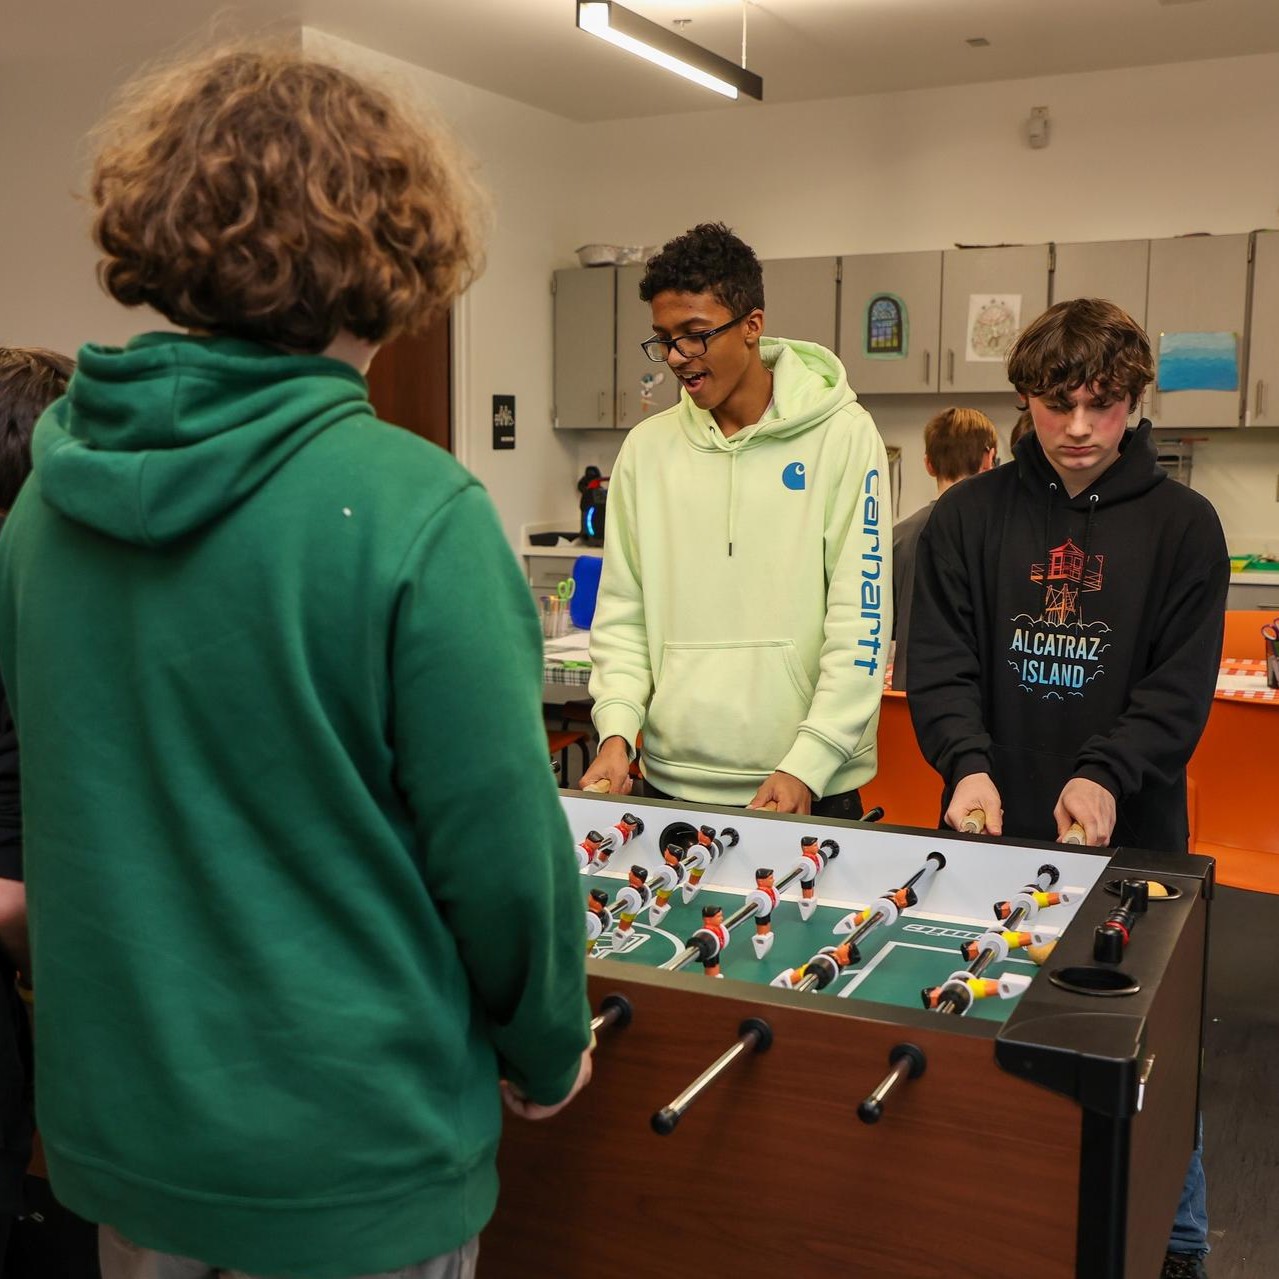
(556, 673)
(1250, 666)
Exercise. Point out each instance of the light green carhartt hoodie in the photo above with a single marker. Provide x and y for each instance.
(276, 675)
(744, 607)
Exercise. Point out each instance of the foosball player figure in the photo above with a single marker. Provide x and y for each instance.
(1033, 898)
(588, 849)
(962, 989)
(598, 917)
(816, 855)
(711, 939)
(1001, 941)
(704, 854)
(764, 899)
(666, 880)
(625, 830)
(824, 966)
(630, 901)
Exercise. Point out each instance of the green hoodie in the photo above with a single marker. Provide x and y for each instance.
(744, 606)
(300, 883)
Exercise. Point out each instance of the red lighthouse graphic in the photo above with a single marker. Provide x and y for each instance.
(1067, 575)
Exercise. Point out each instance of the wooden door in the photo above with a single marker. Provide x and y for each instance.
(410, 383)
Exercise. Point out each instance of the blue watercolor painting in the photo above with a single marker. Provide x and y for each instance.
(1198, 362)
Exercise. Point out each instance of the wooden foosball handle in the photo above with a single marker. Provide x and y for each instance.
(600, 787)
(1075, 835)
(974, 823)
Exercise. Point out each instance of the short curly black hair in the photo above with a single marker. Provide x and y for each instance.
(707, 259)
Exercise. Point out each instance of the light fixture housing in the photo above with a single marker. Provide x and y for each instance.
(665, 49)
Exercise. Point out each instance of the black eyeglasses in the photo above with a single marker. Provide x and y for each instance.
(690, 346)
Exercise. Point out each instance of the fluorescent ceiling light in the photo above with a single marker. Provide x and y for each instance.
(648, 40)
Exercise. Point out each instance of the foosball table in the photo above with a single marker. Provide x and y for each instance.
(837, 1047)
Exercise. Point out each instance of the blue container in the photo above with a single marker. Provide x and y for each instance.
(586, 578)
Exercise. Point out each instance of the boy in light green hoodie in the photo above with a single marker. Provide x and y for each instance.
(745, 602)
(241, 622)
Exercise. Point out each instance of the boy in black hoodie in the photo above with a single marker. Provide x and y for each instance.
(1067, 623)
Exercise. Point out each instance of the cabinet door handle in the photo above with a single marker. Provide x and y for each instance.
(621, 421)
(928, 367)
(1259, 404)
(950, 367)
(601, 408)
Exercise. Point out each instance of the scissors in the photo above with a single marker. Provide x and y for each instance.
(1270, 630)
(568, 585)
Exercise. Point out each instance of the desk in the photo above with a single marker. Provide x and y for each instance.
(1232, 775)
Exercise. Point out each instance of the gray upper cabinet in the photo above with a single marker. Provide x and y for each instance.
(988, 297)
(643, 387)
(1262, 406)
(1117, 270)
(800, 299)
(890, 322)
(1195, 318)
(584, 326)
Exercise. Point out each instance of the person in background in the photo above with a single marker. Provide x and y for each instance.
(273, 1004)
(1067, 625)
(1021, 426)
(958, 444)
(30, 380)
(743, 614)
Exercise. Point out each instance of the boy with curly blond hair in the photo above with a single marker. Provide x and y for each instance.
(273, 1006)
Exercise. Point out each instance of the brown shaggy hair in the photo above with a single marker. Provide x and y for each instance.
(956, 441)
(1024, 424)
(1084, 342)
(256, 192)
(31, 378)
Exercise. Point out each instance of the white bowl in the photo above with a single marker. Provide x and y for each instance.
(598, 254)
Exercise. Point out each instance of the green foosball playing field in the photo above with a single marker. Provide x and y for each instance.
(898, 961)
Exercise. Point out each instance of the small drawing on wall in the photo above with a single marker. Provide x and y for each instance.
(1198, 361)
(993, 322)
(887, 335)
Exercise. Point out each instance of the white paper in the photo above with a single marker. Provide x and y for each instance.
(575, 647)
(1240, 683)
(994, 320)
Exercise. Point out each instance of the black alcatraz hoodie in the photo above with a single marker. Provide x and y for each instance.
(1055, 637)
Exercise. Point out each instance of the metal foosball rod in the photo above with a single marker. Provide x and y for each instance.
(830, 961)
(615, 1011)
(595, 849)
(753, 1036)
(958, 993)
(709, 941)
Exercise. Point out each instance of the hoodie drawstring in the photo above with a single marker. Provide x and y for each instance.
(1048, 531)
(1092, 515)
(732, 482)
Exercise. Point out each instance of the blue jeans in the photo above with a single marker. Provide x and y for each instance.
(1190, 1225)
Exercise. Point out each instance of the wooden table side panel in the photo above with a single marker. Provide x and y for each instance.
(772, 1164)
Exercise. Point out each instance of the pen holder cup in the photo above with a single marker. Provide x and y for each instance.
(554, 617)
(1272, 663)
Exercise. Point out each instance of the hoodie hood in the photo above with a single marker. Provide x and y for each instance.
(159, 438)
(1135, 471)
(809, 384)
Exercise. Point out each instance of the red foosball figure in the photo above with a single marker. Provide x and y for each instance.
(764, 899)
(598, 918)
(711, 939)
(630, 901)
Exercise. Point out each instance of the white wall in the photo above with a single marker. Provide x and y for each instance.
(503, 325)
(1152, 152)
(48, 291)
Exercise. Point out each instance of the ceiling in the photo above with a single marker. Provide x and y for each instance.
(531, 50)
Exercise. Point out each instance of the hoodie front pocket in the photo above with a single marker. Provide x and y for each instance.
(727, 708)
